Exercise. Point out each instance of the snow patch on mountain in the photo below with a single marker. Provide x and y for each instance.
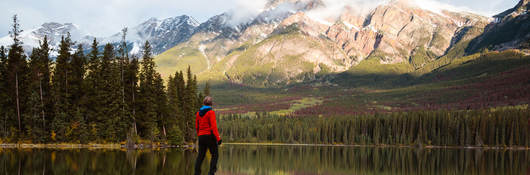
(162, 34)
(54, 31)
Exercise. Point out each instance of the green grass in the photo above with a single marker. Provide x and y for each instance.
(421, 57)
(372, 65)
(178, 59)
(297, 105)
(390, 94)
(477, 65)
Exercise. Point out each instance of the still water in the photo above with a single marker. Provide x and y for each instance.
(274, 160)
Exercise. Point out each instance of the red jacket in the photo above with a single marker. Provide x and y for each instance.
(206, 124)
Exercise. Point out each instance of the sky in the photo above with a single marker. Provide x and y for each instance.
(107, 17)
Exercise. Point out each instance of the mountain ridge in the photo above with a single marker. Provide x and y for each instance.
(351, 38)
(162, 34)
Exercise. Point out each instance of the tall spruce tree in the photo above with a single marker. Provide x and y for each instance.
(181, 90)
(110, 96)
(39, 100)
(45, 89)
(190, 105)
(175, 121)
(32, 117)
(161, 105)
(91, 86)
(77, 125)
(131, 88)
(126, 119)
(61, 92)
(106, 119)
(147, 125)
(17, 70)
(173, 101)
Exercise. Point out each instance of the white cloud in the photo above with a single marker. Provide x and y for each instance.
(245, 10)
(333, 8)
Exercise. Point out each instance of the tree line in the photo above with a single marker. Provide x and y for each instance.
(101, 97)
(500, 128)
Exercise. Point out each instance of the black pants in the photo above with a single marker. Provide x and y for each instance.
(207, 142)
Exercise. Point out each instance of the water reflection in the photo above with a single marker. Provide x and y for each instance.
(294, 160)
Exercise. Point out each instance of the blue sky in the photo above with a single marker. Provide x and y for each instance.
(106, 17)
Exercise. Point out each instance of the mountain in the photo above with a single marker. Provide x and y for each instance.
(299, 40)
(509, 30)
(53, 30)
(161, 34)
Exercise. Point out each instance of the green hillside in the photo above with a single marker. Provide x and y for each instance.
(270, 76)
(478, 81)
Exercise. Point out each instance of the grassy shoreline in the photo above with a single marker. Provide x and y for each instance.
(162, 146)
(82, 146)
(387, 146)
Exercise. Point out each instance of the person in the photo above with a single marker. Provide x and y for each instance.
(208, 134)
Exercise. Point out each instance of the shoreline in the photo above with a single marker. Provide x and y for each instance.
(85, 146)
(164, 146)
(522, 148)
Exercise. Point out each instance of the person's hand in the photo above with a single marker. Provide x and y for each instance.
(220, 142)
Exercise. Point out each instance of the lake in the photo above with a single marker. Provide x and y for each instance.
(275, 160)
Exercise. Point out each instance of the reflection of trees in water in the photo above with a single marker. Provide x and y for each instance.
(348, 160)
(267, 160)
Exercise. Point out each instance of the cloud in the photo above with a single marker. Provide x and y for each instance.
(334, 8)
(245, 11)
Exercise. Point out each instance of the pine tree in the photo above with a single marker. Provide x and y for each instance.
(106, 121)
(91, 88)
(77, 125)
(190, 105)
(16, 75)
(39, 100)
(181, 91)
(161, 105)
(131, 88)
(111, 113)
(45, 89)
(31, 117)
(126, 121)
(61, 93)
(173, 106)
(146, 120)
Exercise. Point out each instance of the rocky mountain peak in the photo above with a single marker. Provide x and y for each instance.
(521, 8)
(161, 33)
(53, 30)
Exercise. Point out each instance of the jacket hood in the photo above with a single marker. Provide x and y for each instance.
(204, 110)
